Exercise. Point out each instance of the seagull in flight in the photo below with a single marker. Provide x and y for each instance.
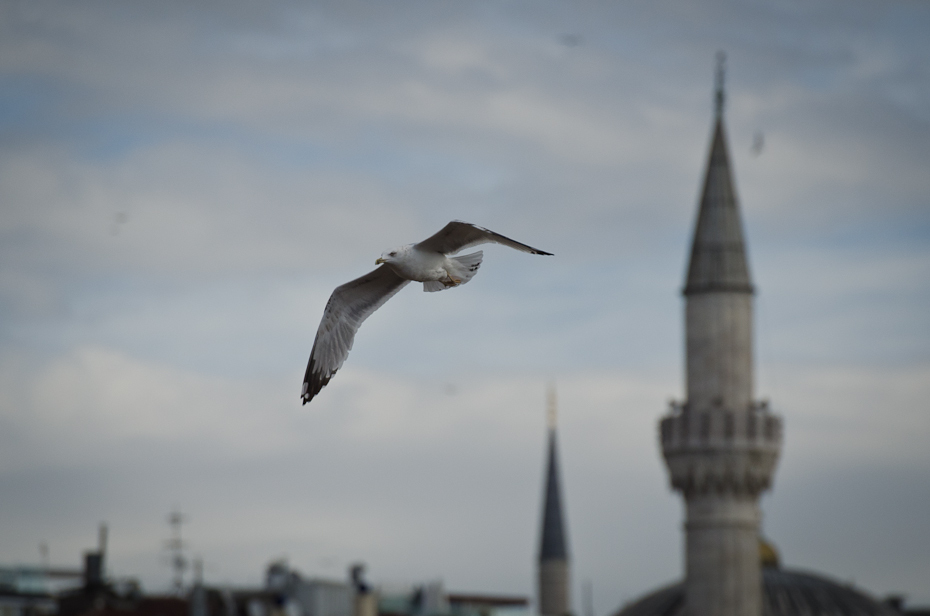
(430, 262)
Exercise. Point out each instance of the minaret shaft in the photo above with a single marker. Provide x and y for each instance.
(722, 565)
(718, 343)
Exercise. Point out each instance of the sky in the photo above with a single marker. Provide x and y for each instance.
(182, 185)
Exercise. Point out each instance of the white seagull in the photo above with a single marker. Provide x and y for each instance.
(428, 262)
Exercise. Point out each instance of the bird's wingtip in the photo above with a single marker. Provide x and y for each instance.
(305, 395)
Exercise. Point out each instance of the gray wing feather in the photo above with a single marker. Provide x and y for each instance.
(458, 235)
(348, 306)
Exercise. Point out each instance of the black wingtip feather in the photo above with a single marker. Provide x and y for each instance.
(314, 382)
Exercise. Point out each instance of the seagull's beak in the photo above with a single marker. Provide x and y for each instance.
(379, 261)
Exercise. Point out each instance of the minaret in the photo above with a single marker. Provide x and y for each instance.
(553, 578)
(720, 445)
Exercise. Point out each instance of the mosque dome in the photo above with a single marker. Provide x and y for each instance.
(786, 593)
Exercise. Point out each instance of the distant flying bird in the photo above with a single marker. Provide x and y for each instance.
(428, 262)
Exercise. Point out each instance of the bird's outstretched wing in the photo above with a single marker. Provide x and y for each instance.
(348, 306)
(458, 235)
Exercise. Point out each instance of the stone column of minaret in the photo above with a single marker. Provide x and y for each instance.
(553, 589)
(720, 445)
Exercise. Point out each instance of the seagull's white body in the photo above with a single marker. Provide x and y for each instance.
(419, 265)
(429, 262)
(434, 269)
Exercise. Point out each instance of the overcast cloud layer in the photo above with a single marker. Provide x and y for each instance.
(183, 184)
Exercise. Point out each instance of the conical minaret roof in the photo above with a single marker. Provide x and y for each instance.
(554, 541)
(718, 252)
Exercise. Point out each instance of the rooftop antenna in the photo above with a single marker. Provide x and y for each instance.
(175, 546)
(719, 96)
(198, 571)
(102, 538)
(102, 546)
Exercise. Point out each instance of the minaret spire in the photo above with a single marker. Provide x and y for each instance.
(551, 411)
(553, 590)
(718, 252)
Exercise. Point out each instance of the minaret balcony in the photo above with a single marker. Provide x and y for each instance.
(721, 450)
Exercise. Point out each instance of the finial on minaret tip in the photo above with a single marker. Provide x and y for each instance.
(719, 95)
(551, 406)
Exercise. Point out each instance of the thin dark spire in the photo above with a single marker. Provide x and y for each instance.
(719, 92)
(553, 543)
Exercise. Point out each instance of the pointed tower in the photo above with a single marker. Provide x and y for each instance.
(553, 589)
(720, 445)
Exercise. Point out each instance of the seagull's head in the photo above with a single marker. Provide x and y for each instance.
(393, 255)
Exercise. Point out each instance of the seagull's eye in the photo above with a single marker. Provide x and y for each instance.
(393, 254)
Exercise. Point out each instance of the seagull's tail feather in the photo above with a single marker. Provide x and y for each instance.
(461, 269)
(467, 266)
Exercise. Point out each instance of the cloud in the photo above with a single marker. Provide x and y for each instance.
(80, 405)
(853, 416)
